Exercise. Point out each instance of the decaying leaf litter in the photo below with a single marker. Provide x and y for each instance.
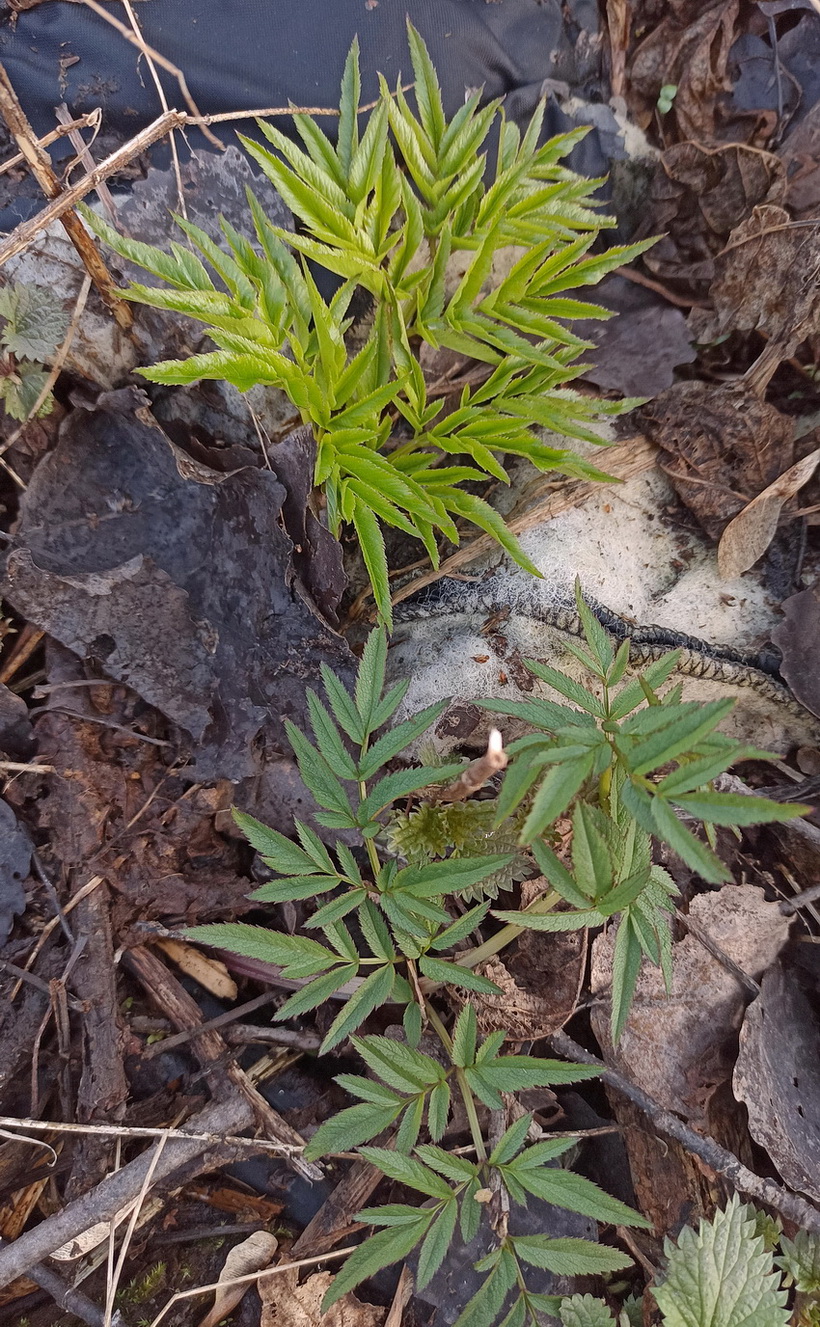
(172, 594)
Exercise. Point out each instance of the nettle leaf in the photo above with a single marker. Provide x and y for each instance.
(800, 1260)
(21, 390)
(36, 321)
(585, 1311)
(721, 1275)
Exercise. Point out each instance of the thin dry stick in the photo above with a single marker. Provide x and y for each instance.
(116, 1191)
(42, 170)
(250, 1279)
(113, 1282)
(83, 151)
(140, 1131)
(161, 60)
(766, 1191)
(89, 121)
(19, 767)
(56, 367)
(21, 237)
(94, 883)
(172, 142)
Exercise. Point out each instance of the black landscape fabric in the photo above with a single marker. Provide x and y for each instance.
(250, 54)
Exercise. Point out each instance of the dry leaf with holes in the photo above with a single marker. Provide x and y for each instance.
(286, 1303)
(250, 1256)
(747, 537)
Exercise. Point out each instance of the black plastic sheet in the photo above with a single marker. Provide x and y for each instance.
(254, 54)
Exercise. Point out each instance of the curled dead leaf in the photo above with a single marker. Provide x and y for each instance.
(766, 279)
(747, 537)
(250, 1256)
(723, 446)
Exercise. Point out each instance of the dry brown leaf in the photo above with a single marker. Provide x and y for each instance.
(723, 444)
(798, 639)
(286, 1303)
(250, 1256)
(674, 1046)
(690, 48)
(777, 1076)
(747, 537)
(698, 197)
(766, 280)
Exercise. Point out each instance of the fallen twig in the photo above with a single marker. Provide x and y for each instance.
(119, 1190)
(43, 172)
(68, 1298)
(789, 1205)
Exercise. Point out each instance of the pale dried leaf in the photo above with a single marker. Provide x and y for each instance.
(211, 975)
(747, 537)
(250, 1256)
(285, 1303)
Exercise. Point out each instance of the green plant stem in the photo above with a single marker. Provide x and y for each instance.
(372, 855)
(463, 1086)
(506, 935)
(472, 1115)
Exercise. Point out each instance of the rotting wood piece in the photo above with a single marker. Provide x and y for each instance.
(41, 168)
(103, 1087)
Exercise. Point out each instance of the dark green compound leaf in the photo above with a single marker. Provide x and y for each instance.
(316, 992)
(373, 992)
(380, 1250)
(280, 854)
(452, 974)
(464, 1037)
(511, 1142)
(455, 1168)
(438, 1109)
(357, 1124)
(408, 1170)
(436, 1243)
(295, 954)
(577, 1194)
(316, 772)
(737, 809)
(461, 929)
(569, 1257)
(397, 739)
(400, 1066)
(486, 1304)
